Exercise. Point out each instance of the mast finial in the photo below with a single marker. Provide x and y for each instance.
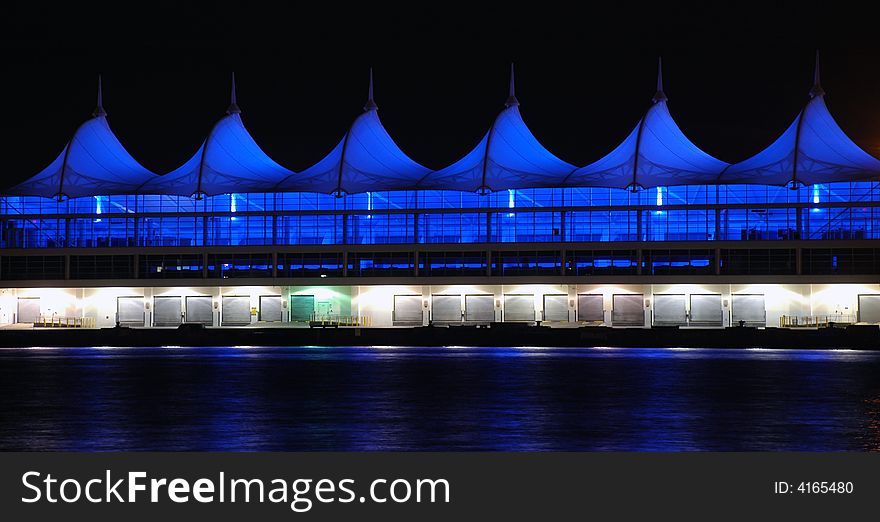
(233, 102)
(99, 108)
(371, 104)
(659, 96)
(817, 85)
(511, 98)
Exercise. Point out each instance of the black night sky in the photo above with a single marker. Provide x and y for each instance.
(736, 75)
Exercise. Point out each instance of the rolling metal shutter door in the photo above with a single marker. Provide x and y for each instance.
(706, 310)
(130, 310)
(166, 311)
(198, 309)
(446, 308)
(236, 309)
(519, 307)
(407, 309)
(270, 308)
(479, 308)
(28, 309)
(591, 308)
(627, 310)
(869, 308)
(749, 308)
(670, 309)
(556, 307)
(301, 307)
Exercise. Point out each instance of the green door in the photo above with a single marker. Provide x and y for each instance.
(301, 307)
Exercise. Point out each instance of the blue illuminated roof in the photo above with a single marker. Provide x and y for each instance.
(813, 149)
(509, 156)
(93, 162)
(366, 159)
(229, 160)
(656, 153)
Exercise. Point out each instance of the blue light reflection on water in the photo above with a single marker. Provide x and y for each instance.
(449, 398)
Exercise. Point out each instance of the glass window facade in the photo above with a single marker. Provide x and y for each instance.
(685, 213)
(513, 232)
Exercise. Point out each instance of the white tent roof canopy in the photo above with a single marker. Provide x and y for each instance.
(93, 162)
(655, 153)
(228, 158)
(509, 156)
(365, 159)
(814, 149)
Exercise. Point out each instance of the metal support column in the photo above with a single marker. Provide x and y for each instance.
(344, 239)
(799, 224)
(416, 254)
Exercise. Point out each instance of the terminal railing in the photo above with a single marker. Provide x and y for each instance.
(815, 321)
(56, 321)
(332, 321)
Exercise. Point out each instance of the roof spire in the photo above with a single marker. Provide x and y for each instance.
(817, 85)
(370, 105)
(511, 99)
(99, 109)
(233, 104)
(659, 96)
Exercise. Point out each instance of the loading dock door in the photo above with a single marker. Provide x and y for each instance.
(236, 310)
(130, 310)
(270, 308)
(479, 308)
(446, 308)
(706, 310)
(748, 308)
(669, 310)
(199, 309)
(556, 307)
(591, 308)
(869, 308)
(166, 311)
(28, 310)
(407, 309)
(301, 308)
(519, 307)
(627, 310)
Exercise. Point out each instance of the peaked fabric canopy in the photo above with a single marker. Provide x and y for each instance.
(814, 149)
(92, 163)
(229, 160)
(508, 156)
(366, 159)
(656, 153)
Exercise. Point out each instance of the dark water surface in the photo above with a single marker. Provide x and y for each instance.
(383, 398)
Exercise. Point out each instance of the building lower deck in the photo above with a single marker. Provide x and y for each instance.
(702, 303)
